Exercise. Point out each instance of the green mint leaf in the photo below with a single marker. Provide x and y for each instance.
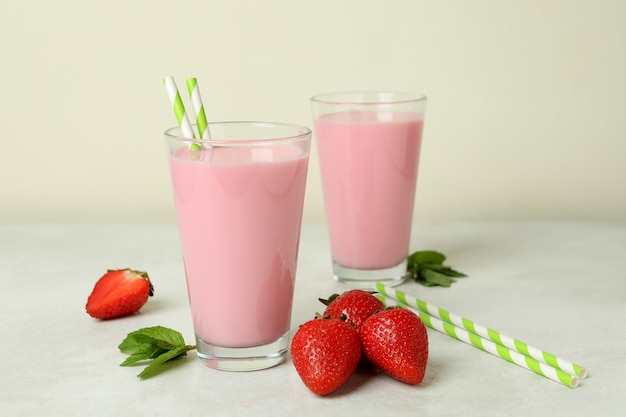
(134, 358)
(428, 257)
(141, 345)
(442, 269)
(162, 336)
(418, 276)
(156, 367)
(426, 268)
(135, 342)
(149, 352)
(436, 278)
(157, 343)
(422, 280)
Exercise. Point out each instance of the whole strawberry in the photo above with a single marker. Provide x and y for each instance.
(395, 340)
(325, 353)
(118, 293)
(355, 305)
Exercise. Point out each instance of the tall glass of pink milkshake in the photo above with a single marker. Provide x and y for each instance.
(239, 199)
(368, 147)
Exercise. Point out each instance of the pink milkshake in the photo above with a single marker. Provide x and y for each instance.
(369, 158)
(239, 210)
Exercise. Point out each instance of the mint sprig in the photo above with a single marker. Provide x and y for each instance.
(426, 267)
(158, 344)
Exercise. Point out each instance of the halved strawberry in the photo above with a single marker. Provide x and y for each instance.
(118, 293)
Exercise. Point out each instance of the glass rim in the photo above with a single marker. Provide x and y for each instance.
(368, 97)
(303, 133)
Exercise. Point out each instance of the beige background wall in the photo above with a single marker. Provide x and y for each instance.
(526, 116)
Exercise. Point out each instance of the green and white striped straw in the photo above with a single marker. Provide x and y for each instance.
(488, 346)
(482, 331)
(198, 108)
(178, 106)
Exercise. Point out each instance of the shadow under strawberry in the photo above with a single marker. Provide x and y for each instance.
(360, 378)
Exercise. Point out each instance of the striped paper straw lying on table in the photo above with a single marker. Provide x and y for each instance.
(488, 340)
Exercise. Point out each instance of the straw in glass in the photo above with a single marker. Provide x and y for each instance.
(198, 108)
(488, 346)
(482, 331)
(179, 110)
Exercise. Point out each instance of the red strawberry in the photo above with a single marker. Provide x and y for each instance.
(325, 352)
(395, 340)
(355, 305)
(118, 293)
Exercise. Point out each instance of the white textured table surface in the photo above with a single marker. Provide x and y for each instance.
(558, 286)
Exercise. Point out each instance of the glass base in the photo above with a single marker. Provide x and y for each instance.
(366, 278)
(245, 358)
